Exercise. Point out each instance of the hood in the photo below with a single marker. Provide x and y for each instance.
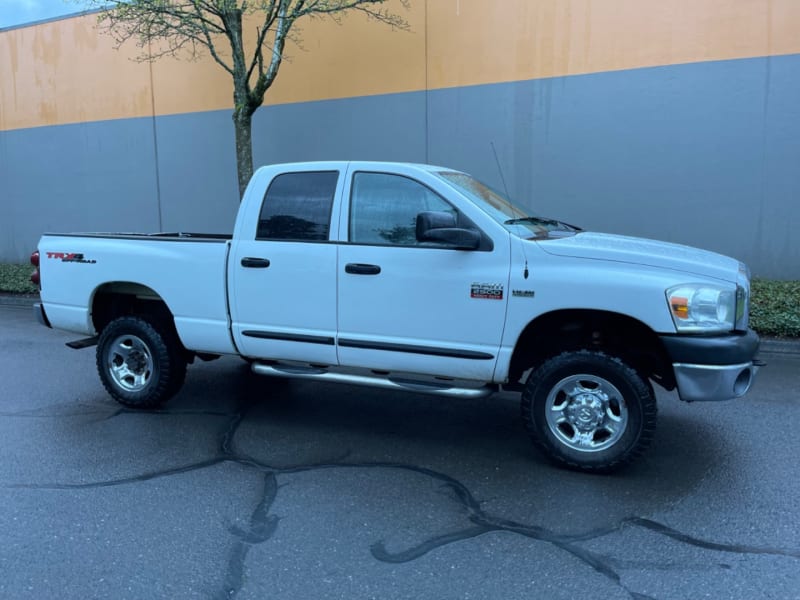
(640, 251)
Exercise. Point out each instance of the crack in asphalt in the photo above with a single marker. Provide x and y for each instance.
(47, 412)
(676, 535)
(56, 411)
(261, 528)
(263, 525)
(182, 413)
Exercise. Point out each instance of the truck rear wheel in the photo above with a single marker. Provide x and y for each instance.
(589, 411)
(140, 364)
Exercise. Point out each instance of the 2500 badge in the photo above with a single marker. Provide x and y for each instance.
(488, 291)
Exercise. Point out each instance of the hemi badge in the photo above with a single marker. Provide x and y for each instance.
(522, 293)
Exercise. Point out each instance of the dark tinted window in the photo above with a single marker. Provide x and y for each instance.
(297, 206)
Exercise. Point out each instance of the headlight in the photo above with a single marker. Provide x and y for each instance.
(699, 308)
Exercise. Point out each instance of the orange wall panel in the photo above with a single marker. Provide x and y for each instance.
(358, 57)
(65, 72)
(472, 42)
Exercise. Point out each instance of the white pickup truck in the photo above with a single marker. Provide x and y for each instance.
(418, 278)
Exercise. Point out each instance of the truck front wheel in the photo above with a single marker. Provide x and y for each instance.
(589, 411)
(141, 365)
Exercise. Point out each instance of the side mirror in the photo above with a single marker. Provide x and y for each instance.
(441, 228)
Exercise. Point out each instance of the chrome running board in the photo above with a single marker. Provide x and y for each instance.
(379, 381)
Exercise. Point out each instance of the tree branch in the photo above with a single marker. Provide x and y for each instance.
(258, 54)
(265, 78)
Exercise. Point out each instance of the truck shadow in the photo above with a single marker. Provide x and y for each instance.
(294, 425)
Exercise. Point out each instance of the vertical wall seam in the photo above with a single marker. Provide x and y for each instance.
(762, 200)
(155, 140)
(427, 90)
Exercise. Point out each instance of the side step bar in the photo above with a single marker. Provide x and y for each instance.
(84, 343)
(390, 383)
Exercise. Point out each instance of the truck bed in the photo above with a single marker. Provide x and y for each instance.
(186, 270)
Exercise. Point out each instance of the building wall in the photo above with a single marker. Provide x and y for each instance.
(678, 121)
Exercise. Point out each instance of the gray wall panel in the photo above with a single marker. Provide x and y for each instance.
(197, 172)
(704, 154)
(197, 167)
(88, 177)
(367, 128)
(779, 202)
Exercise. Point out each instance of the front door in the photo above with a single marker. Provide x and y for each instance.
(411, 306)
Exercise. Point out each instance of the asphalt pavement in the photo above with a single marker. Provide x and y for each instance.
(248, 487)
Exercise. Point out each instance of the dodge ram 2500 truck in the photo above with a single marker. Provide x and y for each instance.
(417, 278)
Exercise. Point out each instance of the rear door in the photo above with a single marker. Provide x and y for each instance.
(283, 271)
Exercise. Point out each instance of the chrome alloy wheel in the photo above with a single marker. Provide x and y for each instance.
(586, 413)
(129, 363)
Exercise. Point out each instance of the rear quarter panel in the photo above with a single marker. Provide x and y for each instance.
(188, 275)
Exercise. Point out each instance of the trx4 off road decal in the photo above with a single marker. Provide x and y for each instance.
(488, 291)
(70, 257)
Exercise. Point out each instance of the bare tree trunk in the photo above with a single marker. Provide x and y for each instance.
(243, 123)
(242, 101)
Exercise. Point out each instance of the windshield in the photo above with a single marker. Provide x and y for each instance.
(512, 217)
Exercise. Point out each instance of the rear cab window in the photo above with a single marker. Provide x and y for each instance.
(297, 207)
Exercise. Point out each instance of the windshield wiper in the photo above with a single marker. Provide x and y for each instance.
(543, 222)
(534, 220)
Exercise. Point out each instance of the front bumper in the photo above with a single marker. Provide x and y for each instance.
(713, 368)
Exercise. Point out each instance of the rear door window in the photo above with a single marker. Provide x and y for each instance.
(297, 207)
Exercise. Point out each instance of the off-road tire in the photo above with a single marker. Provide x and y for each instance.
(544, 390)
(160, 364)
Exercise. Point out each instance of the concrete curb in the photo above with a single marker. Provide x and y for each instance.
(768, 345)
(779, 346)
(21, 300)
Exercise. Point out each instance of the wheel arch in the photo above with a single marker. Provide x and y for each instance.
(115, 299)
(614, 333)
